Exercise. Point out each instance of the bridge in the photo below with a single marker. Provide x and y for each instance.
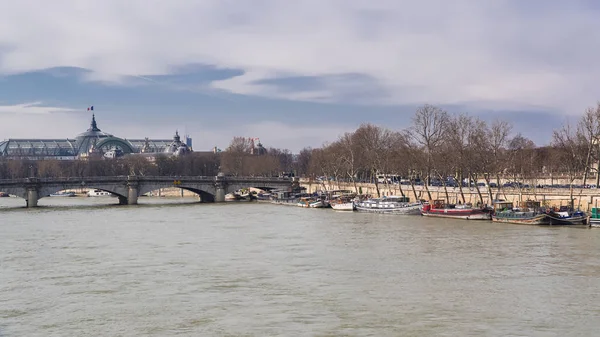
(129, 188)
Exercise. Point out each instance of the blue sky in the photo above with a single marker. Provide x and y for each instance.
(293, 74)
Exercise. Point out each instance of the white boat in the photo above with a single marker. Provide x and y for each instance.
(312, 203)
(98, 193)
(389, 205)
(342, 206)
(319, 204)
(63, 194)
(343, 203)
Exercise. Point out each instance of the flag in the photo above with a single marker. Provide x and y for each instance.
(91, 108)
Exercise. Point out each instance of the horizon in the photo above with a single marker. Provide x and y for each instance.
(216, 71)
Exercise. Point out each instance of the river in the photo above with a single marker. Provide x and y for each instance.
(80, 267)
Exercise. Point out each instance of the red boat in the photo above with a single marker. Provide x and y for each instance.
(438, 208)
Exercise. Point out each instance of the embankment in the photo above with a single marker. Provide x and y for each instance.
(584, 198)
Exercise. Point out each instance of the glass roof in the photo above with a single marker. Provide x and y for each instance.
(73, 147)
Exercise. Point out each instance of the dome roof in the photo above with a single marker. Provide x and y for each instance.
(177, 147)
(87, 140)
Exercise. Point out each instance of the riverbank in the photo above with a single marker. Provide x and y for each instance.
(584, 198)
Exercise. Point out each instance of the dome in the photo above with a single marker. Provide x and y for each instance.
(87, 140)
(177, 147)
(260, 150)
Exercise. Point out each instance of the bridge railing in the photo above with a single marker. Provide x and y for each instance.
(67, 180)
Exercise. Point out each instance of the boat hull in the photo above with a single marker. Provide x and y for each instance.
(595, 222)
(408, 210)
(318, 204)
(345, 206)
(63, 195)
(570, 221)
(463, 215)
(540, 219)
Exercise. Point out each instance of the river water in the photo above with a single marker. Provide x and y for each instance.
(80, 267)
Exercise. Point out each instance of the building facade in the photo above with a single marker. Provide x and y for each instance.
(91, 143)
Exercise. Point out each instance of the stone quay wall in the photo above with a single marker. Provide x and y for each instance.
(584, 198)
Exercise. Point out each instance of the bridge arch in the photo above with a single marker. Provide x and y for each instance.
(201, 191)
(47, 190)
(204, 196)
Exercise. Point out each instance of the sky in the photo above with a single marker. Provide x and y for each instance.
(291, 73)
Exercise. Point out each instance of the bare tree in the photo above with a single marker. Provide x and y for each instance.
(589, 129)
(350, 156)
(571, 153)
(497, 138)
(429, 125)
(373, 144)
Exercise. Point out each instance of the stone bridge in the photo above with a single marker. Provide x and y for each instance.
(129, 188)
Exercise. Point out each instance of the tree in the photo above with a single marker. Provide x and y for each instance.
(571, 153)
(494, 145)
(302, 162)
(429, 126)
(350, 156)
(589, 129)
(373, 143)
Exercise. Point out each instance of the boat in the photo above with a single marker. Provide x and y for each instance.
(342, 204)
(304, 202)
(4, 195)
(565, 216)
(63, 194)
(313, 202)
(264, 196)
(233, 197)
(343, 201)
(99, 193)
(438, 208)
(319, 203)
(389, 205)
(286, 198)
(528, 214)
(241, 195)
(594, 219)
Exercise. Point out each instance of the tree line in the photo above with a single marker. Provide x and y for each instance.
(435, 147)
(454, 149)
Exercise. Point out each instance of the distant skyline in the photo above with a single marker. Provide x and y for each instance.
(293, 74)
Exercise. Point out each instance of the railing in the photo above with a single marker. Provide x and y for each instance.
(67, 180)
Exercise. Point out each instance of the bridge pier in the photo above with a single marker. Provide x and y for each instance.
(32, 197)
(220, 194)
(220, 187)
(132, 197)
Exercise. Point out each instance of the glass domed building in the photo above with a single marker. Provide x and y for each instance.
(89, 143)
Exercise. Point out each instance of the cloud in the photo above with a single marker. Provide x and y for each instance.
(499, 53)
(32, 108)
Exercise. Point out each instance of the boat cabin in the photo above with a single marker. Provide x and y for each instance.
(500, 206)
(434, 204)
(530, 204)
(395, 198)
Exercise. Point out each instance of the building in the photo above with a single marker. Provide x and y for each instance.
(93, 142)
